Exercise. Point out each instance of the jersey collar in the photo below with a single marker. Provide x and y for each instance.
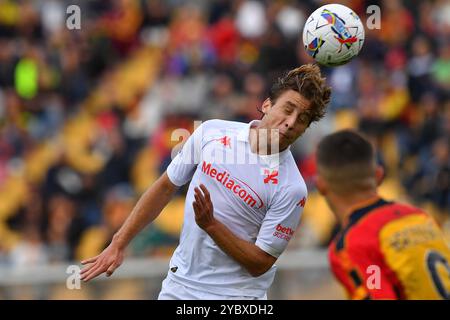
(361, 209)
(272, 160)
(358, 211)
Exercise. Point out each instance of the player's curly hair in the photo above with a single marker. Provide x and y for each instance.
(308, 81)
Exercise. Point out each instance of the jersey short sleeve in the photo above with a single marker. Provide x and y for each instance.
(182, 167)
(281, 221)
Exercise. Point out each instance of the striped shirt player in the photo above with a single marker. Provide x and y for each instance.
(385, 250)
(390, 250)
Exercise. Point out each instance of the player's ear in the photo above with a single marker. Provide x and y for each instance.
(267, 104)
(379, 174)
(321, 185)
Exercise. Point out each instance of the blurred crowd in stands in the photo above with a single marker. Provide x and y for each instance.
(87, 116)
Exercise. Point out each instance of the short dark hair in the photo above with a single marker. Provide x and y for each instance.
(308, 81)
(343, 147)
(347, 160)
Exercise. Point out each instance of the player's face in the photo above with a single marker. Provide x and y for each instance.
(290, 115)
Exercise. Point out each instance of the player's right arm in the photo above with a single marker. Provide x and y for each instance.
(149, 206)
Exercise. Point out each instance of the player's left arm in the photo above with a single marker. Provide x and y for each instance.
(256, 258)
(251, 257)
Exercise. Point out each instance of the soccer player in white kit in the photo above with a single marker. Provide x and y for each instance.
(244, 201)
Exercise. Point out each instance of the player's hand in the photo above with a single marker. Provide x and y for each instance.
(203, 207)
(107, 261)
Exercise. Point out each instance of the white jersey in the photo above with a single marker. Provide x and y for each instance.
(259, 198)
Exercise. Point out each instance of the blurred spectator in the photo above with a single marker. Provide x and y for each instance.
(222, 99)
(224, 37)
(342, 80)
(441, 70)
(431, 181)
(30, 251)
(117, 204)
(419, 67)
(61, 214)
(251, 19)
(397, 23)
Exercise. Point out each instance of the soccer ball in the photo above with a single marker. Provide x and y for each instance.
(333, 35)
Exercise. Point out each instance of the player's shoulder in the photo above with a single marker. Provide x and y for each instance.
(219, 126)
(400, 216)
(293, 178)
(220, 123)
(405, 208)
(370, 221)
(392, 211)
(292, 183)
(368, 225)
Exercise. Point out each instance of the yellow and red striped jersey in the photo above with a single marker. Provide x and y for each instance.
(388, 250)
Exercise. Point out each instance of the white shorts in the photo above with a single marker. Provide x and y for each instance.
(172, 290)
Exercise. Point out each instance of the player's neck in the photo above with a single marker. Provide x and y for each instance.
(259, 143)
(343, 207)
